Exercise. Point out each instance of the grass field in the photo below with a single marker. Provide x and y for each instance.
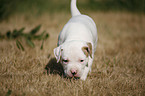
(118, 68)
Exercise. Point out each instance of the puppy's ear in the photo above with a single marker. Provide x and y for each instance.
(88, 49)
(57, 53)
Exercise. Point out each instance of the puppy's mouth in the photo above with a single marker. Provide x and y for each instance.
(75, 77)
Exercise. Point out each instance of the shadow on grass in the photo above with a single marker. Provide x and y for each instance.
(54, 68)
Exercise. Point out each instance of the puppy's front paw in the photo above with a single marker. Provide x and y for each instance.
(83, 78)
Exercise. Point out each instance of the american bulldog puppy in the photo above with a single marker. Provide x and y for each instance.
(76, 44)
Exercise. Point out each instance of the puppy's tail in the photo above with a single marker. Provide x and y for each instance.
(74, 9)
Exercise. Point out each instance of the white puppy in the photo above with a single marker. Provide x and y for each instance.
(76, 44)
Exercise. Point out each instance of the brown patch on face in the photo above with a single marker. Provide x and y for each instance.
(61, 56)
(90, 49)
(84, 49)
(87, 50)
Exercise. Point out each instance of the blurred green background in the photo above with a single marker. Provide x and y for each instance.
(37, 7)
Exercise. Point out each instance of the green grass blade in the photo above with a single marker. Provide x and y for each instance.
(35, 30)
(21, 30)
(17, 33)
(9, 35)
(39, 37)
(46, 36)
(19, 45)
(42, 45)
(30, 43)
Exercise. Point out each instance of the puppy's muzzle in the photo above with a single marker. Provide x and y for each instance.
(73, 72)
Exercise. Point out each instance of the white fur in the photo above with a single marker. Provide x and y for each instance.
(76, 34)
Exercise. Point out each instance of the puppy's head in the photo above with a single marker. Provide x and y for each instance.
(74, 57)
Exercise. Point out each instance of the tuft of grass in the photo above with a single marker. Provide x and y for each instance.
(18, 34)
(19, 45)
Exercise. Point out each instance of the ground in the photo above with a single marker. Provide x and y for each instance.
(118, 67)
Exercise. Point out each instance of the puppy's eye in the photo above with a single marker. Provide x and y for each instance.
(66, 61)
(81, 60)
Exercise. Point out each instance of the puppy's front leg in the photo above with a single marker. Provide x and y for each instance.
(90, 63)
(85, 73)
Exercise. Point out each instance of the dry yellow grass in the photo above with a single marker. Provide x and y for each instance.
(118, 68)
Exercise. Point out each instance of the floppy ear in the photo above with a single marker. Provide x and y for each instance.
(57, 53)
(88, 49)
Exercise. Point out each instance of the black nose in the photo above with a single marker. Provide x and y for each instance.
(73, 72)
